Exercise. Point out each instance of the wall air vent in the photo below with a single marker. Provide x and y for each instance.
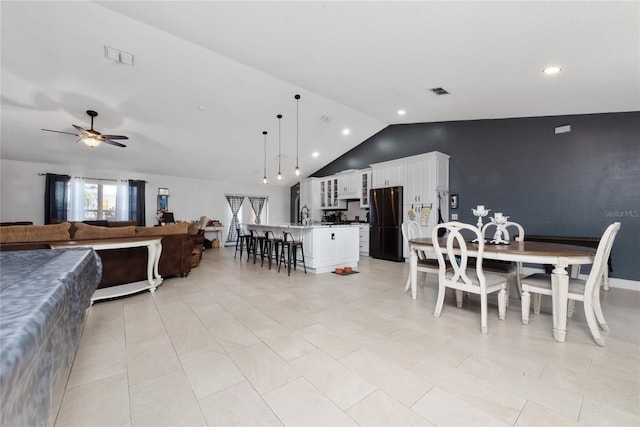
(118, 56)
(439, 91)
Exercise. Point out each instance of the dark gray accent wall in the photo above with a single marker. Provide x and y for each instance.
(569, 184)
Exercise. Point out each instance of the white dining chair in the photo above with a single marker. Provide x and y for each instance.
(587, 291)
(464, 277)
(411, 230)
(512, 271)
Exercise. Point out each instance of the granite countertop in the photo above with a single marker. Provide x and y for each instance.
(298, 226)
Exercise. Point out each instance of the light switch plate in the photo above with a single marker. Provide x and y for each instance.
(454, 217)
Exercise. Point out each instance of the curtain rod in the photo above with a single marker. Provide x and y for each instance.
(97, 179)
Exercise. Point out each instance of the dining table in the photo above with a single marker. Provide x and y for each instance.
(561, 256)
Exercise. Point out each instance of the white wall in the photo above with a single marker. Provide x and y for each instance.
(22, 193)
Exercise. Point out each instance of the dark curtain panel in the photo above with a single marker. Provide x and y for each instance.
(257, 203)
(136, 202)
(235, 202)
(55, 197)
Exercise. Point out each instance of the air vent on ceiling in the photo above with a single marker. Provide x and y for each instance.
(439, 91)
(326, 119)
(118, 56)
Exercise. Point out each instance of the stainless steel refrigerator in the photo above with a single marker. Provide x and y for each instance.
(385, 222)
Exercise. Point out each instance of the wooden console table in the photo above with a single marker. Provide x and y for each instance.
(217, 230)
(154, 247)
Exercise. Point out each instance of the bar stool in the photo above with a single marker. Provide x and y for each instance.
(257, 245)
(292, 252)
(242, 241)
(271, 247)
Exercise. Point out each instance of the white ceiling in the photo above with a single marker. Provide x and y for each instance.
(355, 63)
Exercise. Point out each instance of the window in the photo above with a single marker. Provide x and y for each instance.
(99, 201)
(94, 199)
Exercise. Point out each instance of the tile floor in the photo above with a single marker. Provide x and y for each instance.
(235, 344)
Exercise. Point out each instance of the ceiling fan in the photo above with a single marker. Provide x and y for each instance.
(91, 137)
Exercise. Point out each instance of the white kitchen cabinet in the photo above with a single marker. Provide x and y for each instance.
(331, 200)
(426, 177)
(364, 239)
(326, 247)
(364, 181)
(387, 174)
(310, 197)
(348, 184)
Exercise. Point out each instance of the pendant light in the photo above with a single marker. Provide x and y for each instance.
(279, 146)
(264, 178)
(297, 171)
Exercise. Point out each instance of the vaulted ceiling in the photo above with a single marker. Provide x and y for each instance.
(209, 77)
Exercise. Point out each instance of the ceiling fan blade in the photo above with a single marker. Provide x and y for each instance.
(115, 137)
(79, 128)
(59, 131)
(117, 144)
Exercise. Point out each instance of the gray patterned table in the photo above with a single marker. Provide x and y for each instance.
(44, 296)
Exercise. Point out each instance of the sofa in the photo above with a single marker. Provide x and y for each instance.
(119, 265)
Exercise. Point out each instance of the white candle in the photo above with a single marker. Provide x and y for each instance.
(480, 208)
(498, 215)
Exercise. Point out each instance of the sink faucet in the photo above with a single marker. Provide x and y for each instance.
(304, 215)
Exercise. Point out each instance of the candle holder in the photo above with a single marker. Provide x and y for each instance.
(499, 221)
(480, 212)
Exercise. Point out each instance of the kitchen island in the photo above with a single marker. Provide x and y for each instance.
(326, 247)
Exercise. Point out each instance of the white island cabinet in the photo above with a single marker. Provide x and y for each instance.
(326, 247)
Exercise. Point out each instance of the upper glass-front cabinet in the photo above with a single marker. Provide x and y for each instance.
(365, 185)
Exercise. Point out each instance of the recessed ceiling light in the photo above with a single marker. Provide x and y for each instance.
(401, 112)
(552, 70)
(346, 131)
(315, 154)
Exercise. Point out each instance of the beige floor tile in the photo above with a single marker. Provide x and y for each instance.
(380, 409)
(445, 409)
(557, 398)
(255, 320)
(338, 322)
(298, 403)
(138, 329)
(483, 394)
(387, 376)
(378, 353)
(264, 369)
(285, 343)
(333, 379)
(191, 336)
(151, 359)
(165, 401)
(209, 371)
(290, 318)
(536, 415)
(98, 361)
(104, 402)
(326, 340)
(238, 405)
(231, 334)
(597, 414)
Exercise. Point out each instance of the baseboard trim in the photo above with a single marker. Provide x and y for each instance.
(614, 282)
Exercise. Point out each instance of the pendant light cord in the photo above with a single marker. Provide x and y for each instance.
(264, 177)
(279, 146)
(297, 97)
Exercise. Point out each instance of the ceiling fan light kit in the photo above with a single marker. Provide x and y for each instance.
(92, 138)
